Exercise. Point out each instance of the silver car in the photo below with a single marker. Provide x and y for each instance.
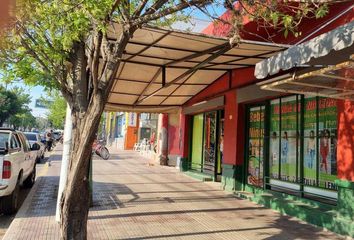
(36, 138)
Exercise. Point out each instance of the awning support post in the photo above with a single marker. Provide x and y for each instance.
(163, 76)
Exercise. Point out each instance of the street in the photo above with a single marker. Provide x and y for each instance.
(5, 220)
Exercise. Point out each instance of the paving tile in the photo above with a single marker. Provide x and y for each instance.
(133, 200)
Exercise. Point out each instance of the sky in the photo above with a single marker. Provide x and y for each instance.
(199, 21)
(35, 93)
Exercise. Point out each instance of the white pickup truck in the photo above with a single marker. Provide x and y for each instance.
(17, 167)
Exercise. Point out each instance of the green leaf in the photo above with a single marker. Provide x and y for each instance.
(322, 11)
(286, 33)
(275, 18)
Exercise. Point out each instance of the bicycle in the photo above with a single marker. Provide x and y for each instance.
(99, 148)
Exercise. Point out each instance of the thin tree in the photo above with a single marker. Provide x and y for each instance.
(60, 44)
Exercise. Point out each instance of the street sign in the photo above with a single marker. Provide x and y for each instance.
(41, 103)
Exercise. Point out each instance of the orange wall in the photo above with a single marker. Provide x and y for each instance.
(131, 135)
(345, 145)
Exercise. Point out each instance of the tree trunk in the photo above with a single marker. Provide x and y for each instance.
(75, 201)
(87, 107)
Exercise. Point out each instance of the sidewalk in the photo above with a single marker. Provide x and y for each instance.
(133, 200)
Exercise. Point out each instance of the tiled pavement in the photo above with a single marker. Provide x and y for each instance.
(134, 200)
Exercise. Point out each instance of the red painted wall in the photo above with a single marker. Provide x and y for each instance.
(173, 134)
(184, 123)
(230, 127)
(234, 114)
(235, 127)
(345, 144)
(307, 26)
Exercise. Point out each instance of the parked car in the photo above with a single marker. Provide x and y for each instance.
(33, 138)
(42, 135)
(57, 135)
(18, 162)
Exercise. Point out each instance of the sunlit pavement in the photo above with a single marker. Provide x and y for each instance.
(5, 220)
(134, 200)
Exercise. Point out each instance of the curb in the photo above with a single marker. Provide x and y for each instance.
(21, 213)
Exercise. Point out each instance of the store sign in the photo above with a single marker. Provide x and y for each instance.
(132, 119)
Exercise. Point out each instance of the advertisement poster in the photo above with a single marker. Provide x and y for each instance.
(132, 119)
(274, 139)
(284, 146)
(256, 144)
(327, 140)
(327, 125)
(310, 142)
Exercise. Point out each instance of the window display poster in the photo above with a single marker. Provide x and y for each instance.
(288, 139)
(326, 139)
(310, 141)
(274, 139)
(256, 141)
(327, 124)
(283, 145)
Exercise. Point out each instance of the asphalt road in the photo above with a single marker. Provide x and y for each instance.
(5, 220)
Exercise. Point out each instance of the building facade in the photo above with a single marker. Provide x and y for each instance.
(291, 152)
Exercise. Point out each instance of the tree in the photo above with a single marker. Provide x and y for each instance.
(24, 119)
(60, 44)
(12, 102)
(57, 111)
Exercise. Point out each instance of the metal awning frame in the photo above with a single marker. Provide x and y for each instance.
(275, 84)
(188, 64)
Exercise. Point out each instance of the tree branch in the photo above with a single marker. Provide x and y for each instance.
(156, 6)
(139, 9)
(162, 13)
(97, 42)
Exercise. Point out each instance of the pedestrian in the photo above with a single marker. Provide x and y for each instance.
(49, 140)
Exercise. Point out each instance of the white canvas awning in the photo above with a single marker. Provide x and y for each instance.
(334, 76)
(334, 82)
(327, 49)
(162, 69)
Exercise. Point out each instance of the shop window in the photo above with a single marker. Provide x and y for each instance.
(302, 156)
(327, 131)
(310, 141)
(288, 140)
(274, 143)
(256, 144)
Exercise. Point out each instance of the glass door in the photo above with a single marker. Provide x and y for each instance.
(210, 142)
(197, 142)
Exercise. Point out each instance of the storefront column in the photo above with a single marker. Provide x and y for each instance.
(163, 140)
(184, 142)
(230, 143)
(345, 159)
